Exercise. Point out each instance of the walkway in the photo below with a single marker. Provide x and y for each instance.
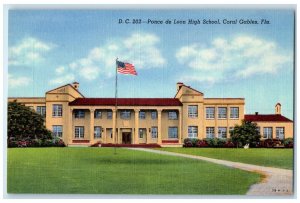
(275, 181)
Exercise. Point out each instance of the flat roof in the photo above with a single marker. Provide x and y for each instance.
(126, 102)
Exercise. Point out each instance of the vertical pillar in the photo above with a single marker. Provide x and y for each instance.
(114, 117)
(104, 137)
(92, 125)
(69, 129)
(148, 136)
(159, 126)
(136, 125)
(216, 120)
(180, 126)
(119, 140)
(227, 121)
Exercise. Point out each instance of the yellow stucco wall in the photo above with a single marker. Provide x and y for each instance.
(288, 128)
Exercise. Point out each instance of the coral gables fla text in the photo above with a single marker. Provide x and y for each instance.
(194, 21)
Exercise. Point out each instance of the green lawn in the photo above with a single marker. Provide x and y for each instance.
(279, 158)
(99, 171)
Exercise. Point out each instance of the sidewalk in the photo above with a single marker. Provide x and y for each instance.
(276, 181)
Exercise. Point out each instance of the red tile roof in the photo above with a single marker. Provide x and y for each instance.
(126, 102)
(266, 117)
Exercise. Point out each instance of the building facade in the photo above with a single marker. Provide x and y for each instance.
(164, 121)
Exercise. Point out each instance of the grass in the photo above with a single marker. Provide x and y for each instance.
(99, 171)
(279, 158)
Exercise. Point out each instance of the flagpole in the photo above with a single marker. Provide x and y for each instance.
(116, 103)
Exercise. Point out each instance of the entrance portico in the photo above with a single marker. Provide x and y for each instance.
(126, 134)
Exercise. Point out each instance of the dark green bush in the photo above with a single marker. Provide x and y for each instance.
(288, 142)
(215, 142)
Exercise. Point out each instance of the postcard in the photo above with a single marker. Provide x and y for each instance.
(151, 101)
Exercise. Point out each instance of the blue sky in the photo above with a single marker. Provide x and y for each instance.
(49, 48)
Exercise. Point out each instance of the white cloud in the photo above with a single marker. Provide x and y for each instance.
(29, 51)
(60, 70)
(138, 48)
(14, 82)
(59, 80)
(90, 72)
(238, 57)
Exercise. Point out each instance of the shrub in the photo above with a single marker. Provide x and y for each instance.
(229, 144)
(271, 143)
(23, 143)
(187, 142)
(36, 143)
(202, 143)
(27, 142)
(246, 133)
(288, 142)
(61, 143)
(12, 142)
(47, 143)
(97, 144)
(215, 142)
(194, 141)
(268, 143)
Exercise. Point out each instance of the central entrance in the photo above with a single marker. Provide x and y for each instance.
(126, 137)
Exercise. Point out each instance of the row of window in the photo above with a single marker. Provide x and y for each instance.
(57, 131)
(210, 112)
(172, 115)
(125, 114)
(173, 132)
(222, 112)
(268, 132)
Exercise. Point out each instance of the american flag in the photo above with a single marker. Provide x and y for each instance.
(126, 68)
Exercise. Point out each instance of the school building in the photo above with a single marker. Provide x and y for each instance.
(165, 121)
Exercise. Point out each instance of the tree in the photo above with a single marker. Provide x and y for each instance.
(25, 123)
(246, 133)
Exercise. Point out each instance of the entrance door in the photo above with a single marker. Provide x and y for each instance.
(126, 138)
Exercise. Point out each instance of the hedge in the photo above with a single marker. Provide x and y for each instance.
(227, 143)
(56, 142)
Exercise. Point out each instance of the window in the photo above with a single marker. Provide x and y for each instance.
(41, 110)
(57, 110)
(79, 113)
(210, 132)
(31, 107)
(97, 114)
(109, 132)
(222, 112)
(173, 115)
(142, 115)
(231, 129)
(154, 132)
(97, 132)
(125, 114)
(193, 131)
(234, 112)
(268, 133)
(142, 132)
(222, 132)
(280, 133)
(79, 132)
(57, 130)
(153, 114)
(210, 112)
(173, 132)
(193, 111)
(109, 114)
